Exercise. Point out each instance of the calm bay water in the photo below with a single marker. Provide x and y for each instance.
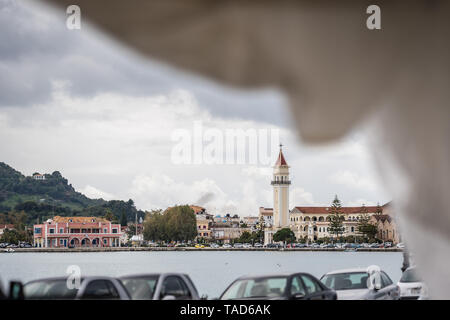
(210, 271)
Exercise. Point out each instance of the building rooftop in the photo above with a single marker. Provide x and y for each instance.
(281, 161)
(344, 210)
(60, 219)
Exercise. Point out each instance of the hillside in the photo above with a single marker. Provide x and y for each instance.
(41, 199)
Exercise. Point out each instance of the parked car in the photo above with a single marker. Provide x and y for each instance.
(199, 246)
(227, 246)
(214, 245)
(400, 245)
(388, 244)
(273, 245)
(238, 245)
(91, 288)
(162, 286)
(361, 284)
(411, 285)
(296, 286)
(247, 245)
(258, 245)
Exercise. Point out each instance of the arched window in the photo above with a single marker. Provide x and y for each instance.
(307, 218)
(328, 218)
(320, 218)
(314, 218)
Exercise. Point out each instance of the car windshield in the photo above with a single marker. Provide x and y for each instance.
(49, 289)
(346, 281)
(140, 288)
(410, 275)
(256, 288)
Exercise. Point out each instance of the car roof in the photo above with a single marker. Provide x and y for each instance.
(273, 275)
(140, 275)
(351, 270)
(65, 278)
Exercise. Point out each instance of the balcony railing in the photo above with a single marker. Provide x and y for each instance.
(280, 182)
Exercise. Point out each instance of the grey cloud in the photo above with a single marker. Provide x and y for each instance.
(36, 49)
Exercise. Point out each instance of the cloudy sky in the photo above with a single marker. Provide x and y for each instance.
(75, 101)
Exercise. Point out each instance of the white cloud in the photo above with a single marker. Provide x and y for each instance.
(360, 202)
(94, 193)
(299, 197)
(353, 180)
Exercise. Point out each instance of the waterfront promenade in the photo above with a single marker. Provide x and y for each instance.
(118, 249)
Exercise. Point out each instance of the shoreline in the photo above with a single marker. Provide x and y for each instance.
(141, 249)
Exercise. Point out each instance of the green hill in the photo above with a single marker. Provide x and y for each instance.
(41, 199)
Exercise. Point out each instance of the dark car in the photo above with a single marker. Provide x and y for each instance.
(160, 286)
(91, 288)
(296, 286)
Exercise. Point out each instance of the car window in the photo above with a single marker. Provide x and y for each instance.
(100, 289)
(346, 281)
(141, 288)
(297, 286)
(311, 285)
(386, 281)
(174, 286)
(254, 288)
(52, 289)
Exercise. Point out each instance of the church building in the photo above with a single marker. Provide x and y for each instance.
(310, 223)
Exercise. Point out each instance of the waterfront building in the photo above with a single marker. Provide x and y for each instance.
(204, 222)
(4, 227)
(266, 216)
(251, 222)
(387, 226)
(313, 223)
(64, 232)
(225, 234)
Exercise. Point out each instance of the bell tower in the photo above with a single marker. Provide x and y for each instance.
(280, 183)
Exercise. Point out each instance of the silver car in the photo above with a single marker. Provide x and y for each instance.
(90, 288)
(160, 286)
(362, 284)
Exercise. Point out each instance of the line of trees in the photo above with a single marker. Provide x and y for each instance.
(175, 224)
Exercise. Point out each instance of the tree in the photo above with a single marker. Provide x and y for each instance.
(336, 218)
(245, 237)
(123, 219)
(261, 227)
(365, 227)
(178, 223)
(109, 215)
(284, 235)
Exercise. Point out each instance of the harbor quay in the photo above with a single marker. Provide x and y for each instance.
(118, 249)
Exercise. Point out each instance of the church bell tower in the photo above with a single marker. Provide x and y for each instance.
(280, 183)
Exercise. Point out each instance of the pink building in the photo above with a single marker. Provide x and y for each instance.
(64, 232)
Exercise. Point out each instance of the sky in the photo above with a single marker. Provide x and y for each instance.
(107, 119)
